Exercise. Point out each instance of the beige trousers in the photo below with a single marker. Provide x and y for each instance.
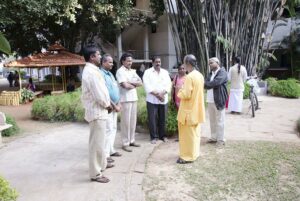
(217, 121)
(97, 158)
(128, 122)
(111, 131)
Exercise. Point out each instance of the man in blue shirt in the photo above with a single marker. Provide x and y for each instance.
(111, 123)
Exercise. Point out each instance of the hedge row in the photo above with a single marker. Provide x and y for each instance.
(289, 88)
(66, 107)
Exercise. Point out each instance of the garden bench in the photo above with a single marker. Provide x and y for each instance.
(38, 93)
(3, 125)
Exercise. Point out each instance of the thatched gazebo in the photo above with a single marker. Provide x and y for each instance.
(55, 56)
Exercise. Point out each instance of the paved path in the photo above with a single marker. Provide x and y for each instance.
(54, 167)
(275, 121)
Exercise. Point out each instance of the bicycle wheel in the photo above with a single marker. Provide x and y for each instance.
(252, 100)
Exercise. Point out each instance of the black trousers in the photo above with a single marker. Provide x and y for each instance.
(157, 120)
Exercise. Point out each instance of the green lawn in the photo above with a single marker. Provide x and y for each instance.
(245, 171)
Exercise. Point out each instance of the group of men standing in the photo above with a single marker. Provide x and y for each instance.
(103, 97)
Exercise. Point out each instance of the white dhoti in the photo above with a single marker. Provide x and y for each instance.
(235, 103)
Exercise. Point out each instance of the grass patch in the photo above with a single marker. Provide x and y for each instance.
(246, 171)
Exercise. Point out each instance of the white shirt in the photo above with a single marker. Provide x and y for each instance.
(94, 97)
(210, 92)
(158, 82)
(127, 75)
(237, 79)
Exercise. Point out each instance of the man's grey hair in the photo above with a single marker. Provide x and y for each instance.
(190, 59)
(104, 58)
(215, 59)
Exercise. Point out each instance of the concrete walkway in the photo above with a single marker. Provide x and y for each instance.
(53, 166)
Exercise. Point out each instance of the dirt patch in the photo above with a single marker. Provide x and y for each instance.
(28, 126)
(163, 179)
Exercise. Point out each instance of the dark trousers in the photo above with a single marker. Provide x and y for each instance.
(157, 120)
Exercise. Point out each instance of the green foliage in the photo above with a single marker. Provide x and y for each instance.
(172, 124)
(12, 130)
(271, 81)
(68, 21)
(286, 88)
(26, 95)
(157, 7)
(23, 74)
(4, 45)
(226, 43)
(65, 107)
(6, 192)
(246, 90)
(142, 117)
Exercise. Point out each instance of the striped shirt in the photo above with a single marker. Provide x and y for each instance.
(95, 96)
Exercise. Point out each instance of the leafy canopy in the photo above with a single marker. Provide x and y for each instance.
(32, 24)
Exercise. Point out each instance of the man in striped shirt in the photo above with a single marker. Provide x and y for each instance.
(96, 101)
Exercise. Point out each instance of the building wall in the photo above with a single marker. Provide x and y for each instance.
(161, 43)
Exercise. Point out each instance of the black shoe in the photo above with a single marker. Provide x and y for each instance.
(210, 140)
(134, 144)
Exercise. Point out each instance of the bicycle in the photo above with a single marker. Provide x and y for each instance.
(252, 96)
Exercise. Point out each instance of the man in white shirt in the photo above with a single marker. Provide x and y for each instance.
(157, 85)
(96, 101)
(128, 81)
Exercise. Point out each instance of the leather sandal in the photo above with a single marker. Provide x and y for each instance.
(116, 154)
(100, 179)
(133, 144)
(110, 160)
(109, 165)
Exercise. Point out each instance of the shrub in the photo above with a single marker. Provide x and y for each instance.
(6, 192)
(286, 88)
(171, 124)
(65, 107)
(12, 130)
(246, 90)
(142, 117)
(26, 95)
(271, 81)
